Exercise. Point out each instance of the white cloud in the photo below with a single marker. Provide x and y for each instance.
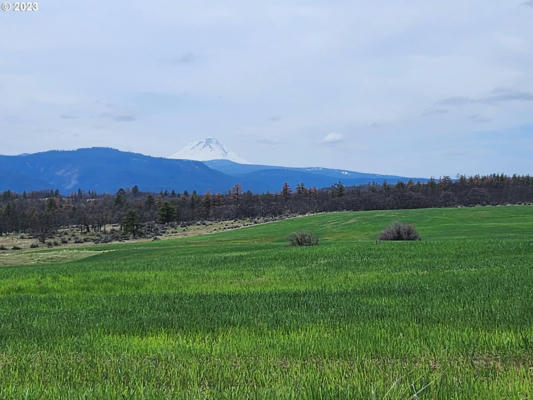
(332, 137)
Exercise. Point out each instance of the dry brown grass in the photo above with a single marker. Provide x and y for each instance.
(32, 257)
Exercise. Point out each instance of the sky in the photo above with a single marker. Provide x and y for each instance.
(412, 87)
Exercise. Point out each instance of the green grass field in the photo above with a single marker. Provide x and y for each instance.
(241, 315)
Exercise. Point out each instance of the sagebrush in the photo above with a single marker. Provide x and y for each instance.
(399, 231)
(303, 238)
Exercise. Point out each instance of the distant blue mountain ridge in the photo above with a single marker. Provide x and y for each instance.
(105, 170)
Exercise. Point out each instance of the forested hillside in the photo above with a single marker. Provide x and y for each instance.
(41, 212)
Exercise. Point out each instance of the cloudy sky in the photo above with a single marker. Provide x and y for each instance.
(413, 87)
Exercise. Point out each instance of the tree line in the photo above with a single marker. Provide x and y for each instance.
(42, 212)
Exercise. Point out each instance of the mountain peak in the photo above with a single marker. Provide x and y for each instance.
(207, 149)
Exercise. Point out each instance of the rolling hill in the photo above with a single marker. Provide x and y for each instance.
(106, 170)
(261, 178)
(242, 315)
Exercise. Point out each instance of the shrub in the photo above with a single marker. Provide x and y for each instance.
(16, 248)
(106, 239)
(34, 245)
(399, 231)
(303, 238)
(2, 247)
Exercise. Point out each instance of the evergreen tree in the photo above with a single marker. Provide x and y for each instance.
(166, 213)
(120, 198)
(338, 189)
(130, 223)
(195, 199)
(51, 204)
(150, 202)
(206, 202)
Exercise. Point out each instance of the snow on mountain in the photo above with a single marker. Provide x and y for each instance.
(205, 150)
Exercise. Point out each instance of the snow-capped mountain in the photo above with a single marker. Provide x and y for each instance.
(205, 150)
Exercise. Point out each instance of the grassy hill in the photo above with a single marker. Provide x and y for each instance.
(241, 315)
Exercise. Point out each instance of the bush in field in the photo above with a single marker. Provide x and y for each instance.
(303, 238)
(399, 231)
